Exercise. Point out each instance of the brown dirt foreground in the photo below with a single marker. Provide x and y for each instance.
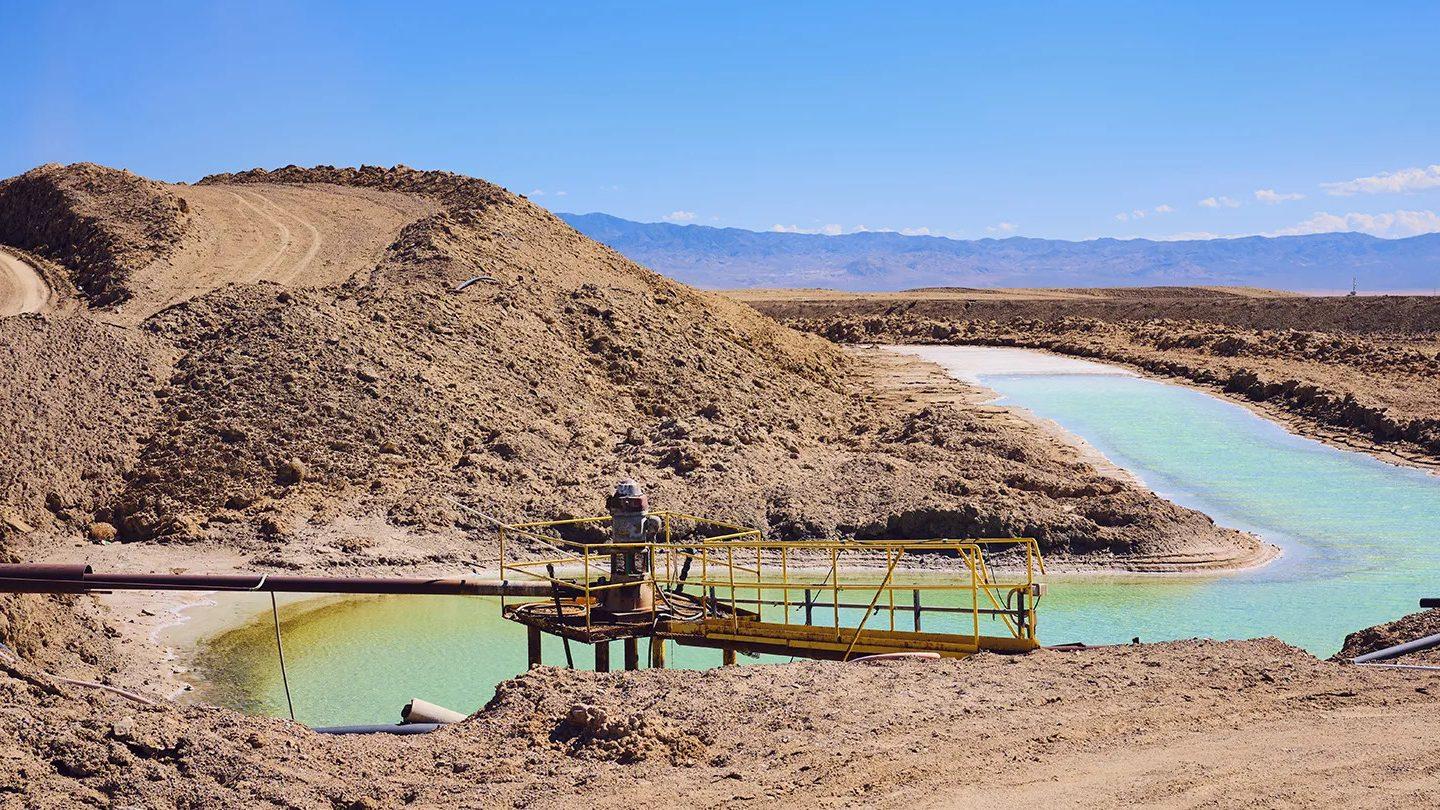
(1193, 723)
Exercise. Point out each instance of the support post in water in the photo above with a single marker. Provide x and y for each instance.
(727, 656)
(559, 614)
(602, 656)
(915, 600)
(532, 644)
(632, 653)
(657, 653)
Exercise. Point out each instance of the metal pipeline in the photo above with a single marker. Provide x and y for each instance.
(403, 728)
(80, 578)
(1399, 649)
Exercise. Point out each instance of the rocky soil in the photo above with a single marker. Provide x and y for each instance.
(1176, 724)
(1355, 383)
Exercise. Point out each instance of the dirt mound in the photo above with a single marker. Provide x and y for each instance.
(1406, 628)
(560, 366)
(104, 224)
(1141, 724)
(493, 355)
(79, 399)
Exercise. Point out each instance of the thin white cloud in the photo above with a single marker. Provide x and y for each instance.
(922, 231)
(1219, 202)
(1188, 236)
(1392, 225)
(1141, 213)
(536, 193)
(1413, 179)
(1270, 196)
(1003, 227)
(828, 230)
(679, 216)
(562, 193)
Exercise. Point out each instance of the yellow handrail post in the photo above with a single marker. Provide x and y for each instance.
(891, 591)
(785, 582)
(975, 595)
(730, 560)
(759, 578)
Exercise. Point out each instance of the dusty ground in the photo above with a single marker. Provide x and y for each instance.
(1360, 372)
(1176, 724)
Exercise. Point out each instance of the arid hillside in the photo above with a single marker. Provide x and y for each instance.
(1360, 371)
(264, 357)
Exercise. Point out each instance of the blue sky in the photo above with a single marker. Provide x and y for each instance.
(1071, 120)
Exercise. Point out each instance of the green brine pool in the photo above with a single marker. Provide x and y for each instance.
(1361, 542)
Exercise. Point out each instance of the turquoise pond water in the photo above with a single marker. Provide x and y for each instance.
(1361, 542)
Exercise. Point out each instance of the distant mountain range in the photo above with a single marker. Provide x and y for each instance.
(731, 258)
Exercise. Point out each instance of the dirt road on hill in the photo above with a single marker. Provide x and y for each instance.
(310, 237)
(21, 287)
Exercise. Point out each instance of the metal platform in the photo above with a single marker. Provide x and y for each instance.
(722, 586)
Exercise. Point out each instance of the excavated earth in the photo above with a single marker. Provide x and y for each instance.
(1362, 371)
(399, 339)
(299, 370)
(1194, 723)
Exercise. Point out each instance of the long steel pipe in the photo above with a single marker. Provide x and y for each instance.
(1399, 649)
(79, 578)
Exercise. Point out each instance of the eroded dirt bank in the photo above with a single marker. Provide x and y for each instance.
(1360, 372)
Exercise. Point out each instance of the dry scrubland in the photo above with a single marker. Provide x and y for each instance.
(278, 366)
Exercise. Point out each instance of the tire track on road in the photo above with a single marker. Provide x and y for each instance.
(315, 240)
(285, 236)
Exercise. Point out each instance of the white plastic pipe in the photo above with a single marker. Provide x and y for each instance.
(419, 711)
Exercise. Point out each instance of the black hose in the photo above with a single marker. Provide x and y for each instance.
(403, 728)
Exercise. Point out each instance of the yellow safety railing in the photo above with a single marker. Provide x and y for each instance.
(740, 574)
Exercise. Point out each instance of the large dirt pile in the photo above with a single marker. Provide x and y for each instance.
(103, 224)
(562, 367)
